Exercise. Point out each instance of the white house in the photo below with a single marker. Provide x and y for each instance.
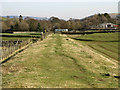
(106, 25)
(61, 30)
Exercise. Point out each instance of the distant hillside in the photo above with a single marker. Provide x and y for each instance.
(38, 18)
(87, 17)
(113, 15)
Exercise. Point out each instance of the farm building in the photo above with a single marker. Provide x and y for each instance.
(106, 25)
(61, 30)
(116, 26)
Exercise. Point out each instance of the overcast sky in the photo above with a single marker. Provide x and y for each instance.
(63, 9)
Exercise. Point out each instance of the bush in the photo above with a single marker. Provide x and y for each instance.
(4, 27)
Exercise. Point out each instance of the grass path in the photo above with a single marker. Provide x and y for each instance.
(59, 63)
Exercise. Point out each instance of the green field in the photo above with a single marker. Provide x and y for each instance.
(13, 38)
(105, 43)
(24, 34)
(59, 62)
(19, 34)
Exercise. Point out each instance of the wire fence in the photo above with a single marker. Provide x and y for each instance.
(8, 47)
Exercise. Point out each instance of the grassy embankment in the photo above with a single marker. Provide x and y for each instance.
(57, 62)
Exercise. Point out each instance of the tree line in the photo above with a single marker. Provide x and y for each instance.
(30, 24)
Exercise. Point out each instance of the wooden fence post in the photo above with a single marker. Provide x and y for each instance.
(41, 36)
